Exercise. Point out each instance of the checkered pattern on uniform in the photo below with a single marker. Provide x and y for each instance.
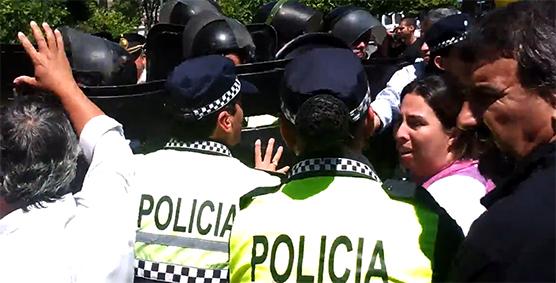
(448, 42)
(332, 164)
(174, 273)
(210, 146)
(354, 114)
(219, 103)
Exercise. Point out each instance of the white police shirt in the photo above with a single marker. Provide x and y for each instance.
(86, 237)
(182, 184)
(387, 102)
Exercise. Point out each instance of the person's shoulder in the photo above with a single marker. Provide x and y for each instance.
(458, 184)
(259, 194)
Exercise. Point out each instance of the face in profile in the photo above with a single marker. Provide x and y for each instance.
(422, 142)
(516, 117)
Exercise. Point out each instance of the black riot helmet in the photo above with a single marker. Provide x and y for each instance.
(179, 12)
(209, 33)
(350, 24)
(96, 61)
(290, 18)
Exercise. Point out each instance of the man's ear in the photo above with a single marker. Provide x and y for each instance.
(439, 63)
(224, 122)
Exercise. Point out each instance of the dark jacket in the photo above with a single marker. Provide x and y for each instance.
(513, 241)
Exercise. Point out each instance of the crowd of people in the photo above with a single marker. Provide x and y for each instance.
(473, 118)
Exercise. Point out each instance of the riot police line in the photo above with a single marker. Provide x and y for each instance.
(106, 72)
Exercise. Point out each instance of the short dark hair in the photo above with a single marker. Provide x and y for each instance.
(524, 31)
(39, 150)
(409, 21)
(443, 94)
(188, 130)
(323, 124)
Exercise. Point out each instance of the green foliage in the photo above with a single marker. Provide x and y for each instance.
(111, 20)
(244, 10)
(15, 16)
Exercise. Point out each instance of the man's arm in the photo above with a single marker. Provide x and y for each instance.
(387, 103)
(53, 73)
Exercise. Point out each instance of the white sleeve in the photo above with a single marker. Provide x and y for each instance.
(460, 196)
(105, 147)
(387, 102)
(106, 211)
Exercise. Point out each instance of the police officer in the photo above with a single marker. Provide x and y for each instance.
(189, 190)
(290, 18)
(179, 12)
(356, 27)
(331, 221)
(134, 43)
(211, 33)
(442, 38)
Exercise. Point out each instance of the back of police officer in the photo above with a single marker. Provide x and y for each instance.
(332, 221)
(189, 191)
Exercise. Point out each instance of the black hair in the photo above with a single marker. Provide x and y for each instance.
(410, 21)
(323, 124)
(443, 94)
(39, 150)
(524, 31)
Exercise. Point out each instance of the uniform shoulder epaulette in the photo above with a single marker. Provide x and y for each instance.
(247, 198)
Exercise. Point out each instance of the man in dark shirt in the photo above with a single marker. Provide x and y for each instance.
(513, 93)
(406, 34)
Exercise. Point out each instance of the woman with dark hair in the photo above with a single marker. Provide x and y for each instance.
(438, 156)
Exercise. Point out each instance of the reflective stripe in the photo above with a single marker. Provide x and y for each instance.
(182, 242)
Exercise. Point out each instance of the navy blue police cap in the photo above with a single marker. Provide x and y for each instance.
(448, 31)
(334, 71)
(201, 86)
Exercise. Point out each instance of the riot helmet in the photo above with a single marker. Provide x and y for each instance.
(96, 61)
(179, 12)
(209, 33)
(352, 24)
(290, 19)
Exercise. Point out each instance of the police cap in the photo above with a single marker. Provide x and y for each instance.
(334, 71)
(132, 43)
(447, 32)
(201, 86)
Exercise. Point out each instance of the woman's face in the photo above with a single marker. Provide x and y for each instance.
(423, 144)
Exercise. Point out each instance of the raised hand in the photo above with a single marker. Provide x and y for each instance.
(52, 68)
(269, 162)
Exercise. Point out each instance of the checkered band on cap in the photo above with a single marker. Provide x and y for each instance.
(166, 272)
(219, 103)
(354, 114)
(332, 164)
(208, 146)
(448, 42)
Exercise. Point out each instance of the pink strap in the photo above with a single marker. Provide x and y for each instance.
(462, 167)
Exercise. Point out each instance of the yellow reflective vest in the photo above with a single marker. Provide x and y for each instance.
(332, 227)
